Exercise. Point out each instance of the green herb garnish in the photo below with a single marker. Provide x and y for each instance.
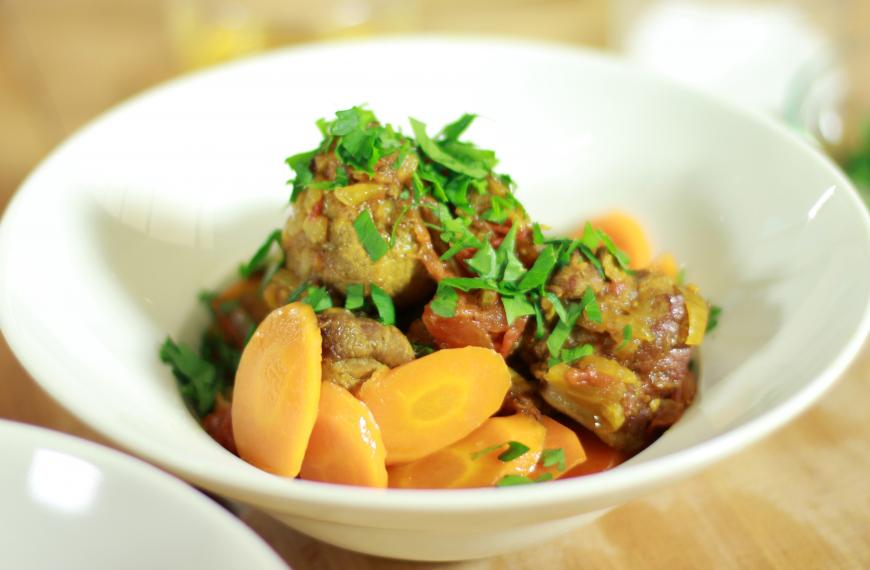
(319, 298)
(484, 262)
(516, 307)
(512, 480)
(444, 302)
(590, 306)
(551, 457)
(355, 297)
(569, 355)
(713, 318)
(197, 377)
(626, 337)
(540, 271)
(515, 449)
(384, 305)
(486, 451)
(441, 156)
(369, 237)
(261, 256)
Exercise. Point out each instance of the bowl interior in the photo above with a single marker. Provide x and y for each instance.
(109, 241)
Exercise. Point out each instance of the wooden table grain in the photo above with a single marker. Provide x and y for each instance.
(799, 499)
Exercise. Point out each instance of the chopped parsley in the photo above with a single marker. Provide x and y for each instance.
(384, 305)
(486, 451)
(444, 302)
(197, 378)
(516, 307)
(355, 297)
(626, 336)
(261, 257)
(318, 297)
(462, 158)
(713, 318)
(515, 450)
(512, 480)
(554, 457)
(569, 355)
(369, 237)
(590, 306)
(422, 349)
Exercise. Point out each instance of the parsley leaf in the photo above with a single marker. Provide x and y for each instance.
(453, 131)
(301, 166)
(713, 319)
(444, 302)
(510, 267)
(399, 219)
(318, 298)
(516, 307)
(469, 283)
(515, 449)
(369, 237)
(421, 349)
(484, 262)
(297, 292)
(441, 156)
(540, 271)
(557, 305)
(485, 451)
(384, 305)
(569, 355)
(537, 234)
(626, 336)
(355, 297)
(590, 256)
(590, 306)
(197, 378)
(563, 328)
(551, 457)
(261, 256)
(511, 480)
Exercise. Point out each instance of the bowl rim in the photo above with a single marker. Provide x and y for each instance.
(135, 471)
(264, 491)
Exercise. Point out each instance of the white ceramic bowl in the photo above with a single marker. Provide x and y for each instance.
(72, 504)
(106, 245)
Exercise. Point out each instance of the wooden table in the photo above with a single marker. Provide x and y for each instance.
(800, 499)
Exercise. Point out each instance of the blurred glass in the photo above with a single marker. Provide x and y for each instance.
(829, 98)
(746, 50)
(205, 32)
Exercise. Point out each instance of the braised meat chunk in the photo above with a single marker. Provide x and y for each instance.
(355, 347)
(632, 378)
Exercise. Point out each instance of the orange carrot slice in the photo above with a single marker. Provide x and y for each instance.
(628, 235)
(346, 445)
(435, 400)
(277, 390)
(559, 438)
(667, 264)
(474, 461)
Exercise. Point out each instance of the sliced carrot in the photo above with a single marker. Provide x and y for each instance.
(667, 264)
(628, 235)
(599, 456)
(560, 437)
(436, 400)
(277, 390)
(346, 446)
(474, 460)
